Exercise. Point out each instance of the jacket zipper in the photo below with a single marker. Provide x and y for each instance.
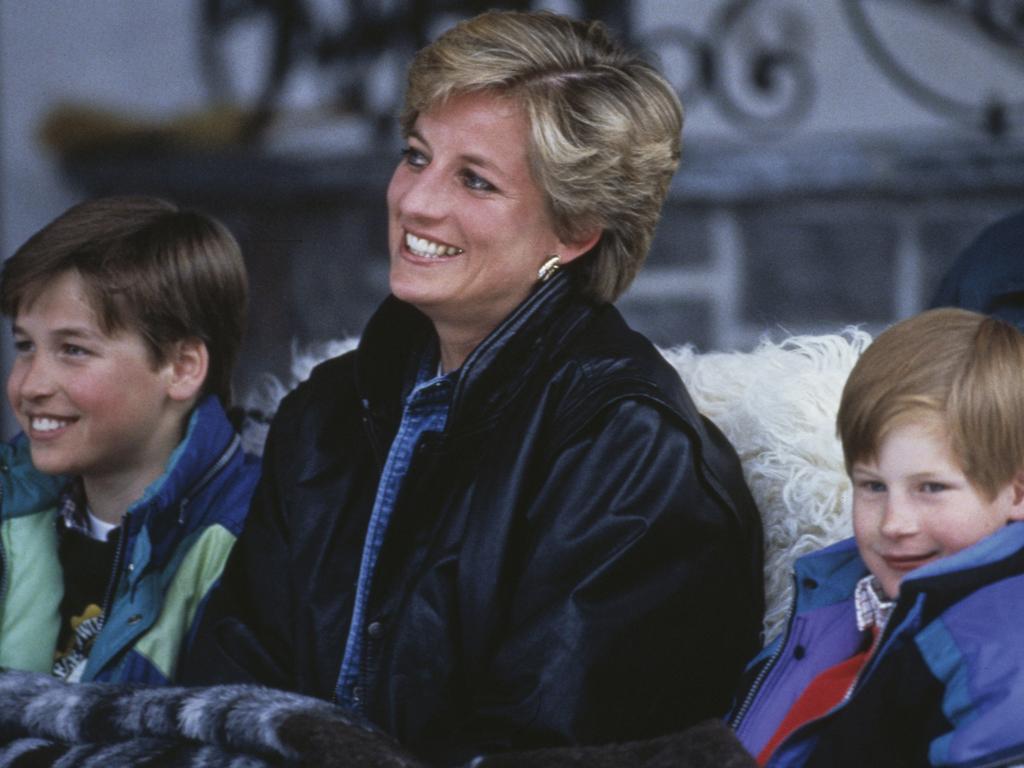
(226, 456)
(769, 664)
(862, 674)
(116, 572)
(212, 472)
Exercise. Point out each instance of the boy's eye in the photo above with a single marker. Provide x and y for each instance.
(73, 350)
(22, 346)
(872, 486)
(477, 183)
(933, 487)
(415, 158)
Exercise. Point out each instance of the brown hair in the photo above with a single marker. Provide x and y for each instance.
(959, 369)
(148, 267)
(604, 125)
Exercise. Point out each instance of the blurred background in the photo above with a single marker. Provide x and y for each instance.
(837, 153)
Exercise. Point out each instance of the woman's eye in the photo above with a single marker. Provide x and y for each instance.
(413, 157)
(872, 486)
(477, 183)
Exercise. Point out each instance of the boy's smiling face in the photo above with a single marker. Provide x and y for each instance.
(92, 404)
(912, 504)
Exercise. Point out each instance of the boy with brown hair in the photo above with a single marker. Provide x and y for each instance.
(904, 646)
(127, 318)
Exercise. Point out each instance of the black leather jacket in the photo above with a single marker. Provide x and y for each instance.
(575, 559)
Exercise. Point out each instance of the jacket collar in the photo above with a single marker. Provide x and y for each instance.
(24, 490)
(398, 335)
(163, 510)
(836, 569)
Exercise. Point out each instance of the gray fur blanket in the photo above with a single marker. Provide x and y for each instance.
(47, 722)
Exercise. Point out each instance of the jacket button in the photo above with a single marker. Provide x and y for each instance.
(357, 694)
(375, 630)
(810, 583)
(134, 619)
(799, 652)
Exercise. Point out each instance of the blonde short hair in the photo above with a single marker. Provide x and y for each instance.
(958, 369)
(605, 126)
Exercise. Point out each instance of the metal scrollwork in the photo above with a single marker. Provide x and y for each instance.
(346, 41)
(1001, 20)
(773, 88)
(998, 22)
(751, 64)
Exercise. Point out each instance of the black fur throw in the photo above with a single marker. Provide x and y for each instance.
(710, 744)
(45, 721)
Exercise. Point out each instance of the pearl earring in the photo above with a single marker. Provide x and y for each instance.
(548, 268)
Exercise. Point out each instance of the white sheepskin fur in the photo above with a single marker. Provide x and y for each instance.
(777, 405)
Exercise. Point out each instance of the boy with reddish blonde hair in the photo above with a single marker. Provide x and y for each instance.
(904, 646)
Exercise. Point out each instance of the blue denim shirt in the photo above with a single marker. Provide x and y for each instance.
(426, 410)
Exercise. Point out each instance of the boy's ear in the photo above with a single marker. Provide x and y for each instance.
(1017, 496)
(188, 363)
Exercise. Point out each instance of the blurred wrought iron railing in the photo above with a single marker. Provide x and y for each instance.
(752, 61)
(1000, 23)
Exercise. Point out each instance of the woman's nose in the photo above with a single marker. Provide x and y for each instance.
(423, 195)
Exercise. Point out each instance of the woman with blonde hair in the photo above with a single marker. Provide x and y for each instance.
(500, 522)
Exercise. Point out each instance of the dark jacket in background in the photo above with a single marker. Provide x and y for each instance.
(575, 559)
(988, 275)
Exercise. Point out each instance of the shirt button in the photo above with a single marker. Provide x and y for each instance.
(375, 630)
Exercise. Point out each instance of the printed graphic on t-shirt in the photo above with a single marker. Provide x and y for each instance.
(69, 662)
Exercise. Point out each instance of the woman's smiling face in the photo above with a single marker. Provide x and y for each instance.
(468, 225)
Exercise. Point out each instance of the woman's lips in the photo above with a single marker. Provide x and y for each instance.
(431, 250)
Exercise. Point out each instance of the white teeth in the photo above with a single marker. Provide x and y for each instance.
(46, 425)
(429, 249)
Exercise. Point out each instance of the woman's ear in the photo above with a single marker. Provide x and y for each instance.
(188, 364)
(573, 250)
